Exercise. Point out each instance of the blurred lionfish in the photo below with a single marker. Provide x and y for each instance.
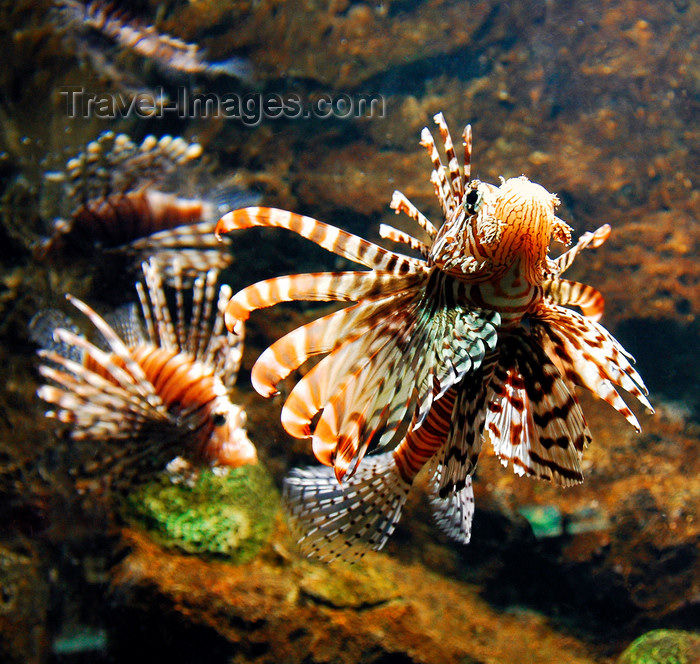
(169, 52)
(471, 338)
(154, 394)
(116, 209)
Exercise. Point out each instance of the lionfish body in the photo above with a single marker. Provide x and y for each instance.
(472, 340)
(116, 209)
(153, 395)
(145, 40)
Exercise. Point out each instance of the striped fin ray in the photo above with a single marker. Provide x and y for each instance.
(224, 351)
(197, 321)
(390, 233)
(589, 240)
(202, 335)
(452, 163)
(588, 355)
(97, 407)
(467, 168)
(317, 286)
(192, 261)
(329, 237)
(534, 418)
(117, 347)
(345, 521)
(322, 335)
(367, 387)
(106, 364)
(575, 294)
(400, 203)
(189, 235)
(164, 328)
(442, 184)
(179, 306)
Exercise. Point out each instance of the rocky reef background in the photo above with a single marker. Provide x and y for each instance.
(599, 102)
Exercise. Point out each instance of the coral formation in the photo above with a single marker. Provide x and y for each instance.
(261, 612)
(663, 646)
(225, 514)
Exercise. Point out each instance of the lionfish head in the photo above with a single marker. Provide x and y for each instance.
(524, 214)
(226, 442)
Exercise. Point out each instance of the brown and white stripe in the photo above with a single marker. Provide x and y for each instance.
(471, 340)
(156, 394)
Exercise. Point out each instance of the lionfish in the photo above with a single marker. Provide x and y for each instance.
(169, 52)
(473, 339)
(148, 396)
(116, 209)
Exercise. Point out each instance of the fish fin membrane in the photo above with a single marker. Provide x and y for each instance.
(41, 332)
(454, 513)
(126, 323)
(344, 521)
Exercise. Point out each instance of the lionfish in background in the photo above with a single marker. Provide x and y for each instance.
(146, 396)
(470, 340)
(115, 208)
(114, 24)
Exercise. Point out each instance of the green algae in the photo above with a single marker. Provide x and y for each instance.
(663, 646)
(229, 515)
(545, 520)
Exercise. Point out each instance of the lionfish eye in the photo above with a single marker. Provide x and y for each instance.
(472, 201)
(219, 419)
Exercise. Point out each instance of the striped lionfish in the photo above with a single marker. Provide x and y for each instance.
(169, 52)
(156, 393)
(116, 209)
(471, 340)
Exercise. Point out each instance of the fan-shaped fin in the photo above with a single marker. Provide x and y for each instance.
(454, 513)
(345, 521)
(322, 335)
(590, 356)
(534, 418)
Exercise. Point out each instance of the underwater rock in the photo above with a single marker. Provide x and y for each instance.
(229, 514)
(629, 548)
(663, 646)
(258, 612)
(347, 586)
(24, 596)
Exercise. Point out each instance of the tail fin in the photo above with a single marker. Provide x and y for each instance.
(344, 521)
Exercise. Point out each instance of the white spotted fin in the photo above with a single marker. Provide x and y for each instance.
(344, 521)
(454, 513)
